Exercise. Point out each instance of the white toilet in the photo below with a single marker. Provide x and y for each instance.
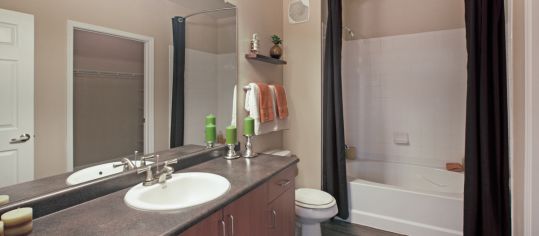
(312, 206)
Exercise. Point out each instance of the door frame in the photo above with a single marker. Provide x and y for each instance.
(148, 82)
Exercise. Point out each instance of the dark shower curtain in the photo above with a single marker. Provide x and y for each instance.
(178, 82)
(486, 189)
(333, 144)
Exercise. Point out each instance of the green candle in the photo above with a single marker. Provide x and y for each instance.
(249, 126)
(210, 119)
(231, 134)
(210, 133)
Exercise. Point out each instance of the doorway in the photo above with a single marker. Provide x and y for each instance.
(16, 97)
(110, 98)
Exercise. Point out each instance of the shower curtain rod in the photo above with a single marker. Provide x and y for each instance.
(206, 11)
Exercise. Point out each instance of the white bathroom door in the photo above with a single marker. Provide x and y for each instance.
(16, 97)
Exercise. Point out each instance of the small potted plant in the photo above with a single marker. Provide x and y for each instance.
(276, 51)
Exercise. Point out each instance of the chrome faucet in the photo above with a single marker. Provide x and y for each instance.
(162, 175)
(149, 180)
(126, 163)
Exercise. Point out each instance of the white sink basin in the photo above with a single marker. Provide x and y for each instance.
(96, 172)
(182, 191)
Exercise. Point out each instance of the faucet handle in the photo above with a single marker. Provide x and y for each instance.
(173, 161)
(116, 165)
(126, 163)
(168, 170)
(144, 158)
(135, 155)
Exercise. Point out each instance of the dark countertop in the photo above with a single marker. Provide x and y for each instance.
(54, 183)
(109, 215)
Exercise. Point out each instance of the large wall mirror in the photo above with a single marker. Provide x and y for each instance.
(84, 84)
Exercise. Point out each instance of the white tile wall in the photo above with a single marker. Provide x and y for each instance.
(414, 84)
(209, 87)
(200, 93)
(226, 80)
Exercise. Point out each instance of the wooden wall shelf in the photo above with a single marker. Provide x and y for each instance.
(262, 58)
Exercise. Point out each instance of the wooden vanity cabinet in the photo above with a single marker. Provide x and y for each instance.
(247, 215)
(281, 199)
(283, 215)
(211, 226)
(268, 210)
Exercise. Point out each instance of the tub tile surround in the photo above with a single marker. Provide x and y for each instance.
(413, 84)
(109, 215)
(208, 72)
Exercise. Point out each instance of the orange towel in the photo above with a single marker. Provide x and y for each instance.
(282, 105)
(265, 103)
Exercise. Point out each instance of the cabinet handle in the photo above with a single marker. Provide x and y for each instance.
(223, 227)
(231, 225)
(273, 219)
(284, 183)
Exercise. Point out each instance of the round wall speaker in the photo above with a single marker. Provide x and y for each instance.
(298, 11)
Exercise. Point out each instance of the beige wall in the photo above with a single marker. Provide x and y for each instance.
(301, 77)
(201, 33)
(518, 116)
(265, 18)
(303, 81)
(226, 35)
(378, 18)
(146, 17)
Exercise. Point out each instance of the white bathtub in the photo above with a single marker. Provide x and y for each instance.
(406, 199)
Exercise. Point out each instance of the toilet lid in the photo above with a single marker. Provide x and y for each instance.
(313, 198)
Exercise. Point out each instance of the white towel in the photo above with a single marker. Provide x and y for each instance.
(234, 111)
(251, 106)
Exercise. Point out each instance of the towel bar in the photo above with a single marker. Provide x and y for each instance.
(246, 88)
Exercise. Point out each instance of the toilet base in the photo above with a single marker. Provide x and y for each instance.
(308, 229)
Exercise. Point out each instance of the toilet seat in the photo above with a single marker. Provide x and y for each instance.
(279, 152)
(314, 199)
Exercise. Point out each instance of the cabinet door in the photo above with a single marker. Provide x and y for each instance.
(247, 215)
(282, 219)
(211, 226)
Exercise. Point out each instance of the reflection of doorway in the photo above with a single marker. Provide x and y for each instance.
(110, 102)
(16, 97)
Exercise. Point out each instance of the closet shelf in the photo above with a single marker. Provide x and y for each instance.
(262, 58)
